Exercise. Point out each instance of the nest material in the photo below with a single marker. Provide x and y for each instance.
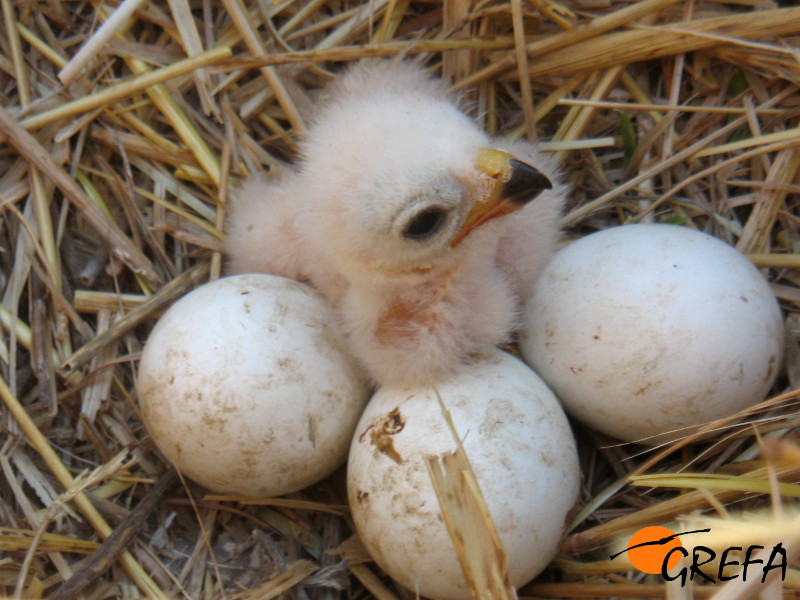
(122, 130)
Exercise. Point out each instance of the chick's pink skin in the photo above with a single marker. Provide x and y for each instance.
(389, 140)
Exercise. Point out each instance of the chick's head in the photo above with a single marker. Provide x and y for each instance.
(399, 178)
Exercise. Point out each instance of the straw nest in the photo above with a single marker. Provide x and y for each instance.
(123, 129)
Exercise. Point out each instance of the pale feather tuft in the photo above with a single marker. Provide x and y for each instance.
(385, 137)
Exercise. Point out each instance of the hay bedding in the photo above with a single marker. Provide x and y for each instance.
(113, 191)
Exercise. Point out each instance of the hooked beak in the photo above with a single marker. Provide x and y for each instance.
(513, 184)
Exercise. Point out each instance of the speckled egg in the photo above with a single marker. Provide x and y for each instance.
(646, 332)
(247, 388)
(522, 451)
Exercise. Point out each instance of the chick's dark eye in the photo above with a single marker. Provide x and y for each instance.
(425, 224)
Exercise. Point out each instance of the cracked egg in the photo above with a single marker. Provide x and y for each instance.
(521, 449)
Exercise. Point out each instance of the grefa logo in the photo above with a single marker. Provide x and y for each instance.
(658, 551)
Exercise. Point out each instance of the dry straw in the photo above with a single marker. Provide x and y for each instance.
(125, 125)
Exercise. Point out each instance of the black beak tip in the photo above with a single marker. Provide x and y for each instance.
(525, 184)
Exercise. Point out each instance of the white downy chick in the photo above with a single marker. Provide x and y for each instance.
(424, 233)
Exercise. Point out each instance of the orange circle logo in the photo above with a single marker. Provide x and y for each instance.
(648, 547)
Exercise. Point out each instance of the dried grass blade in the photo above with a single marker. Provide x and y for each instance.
(136, 145)
(470, 526)
(47, 51)
(296, 572)
(370, 581)
(334, 509)
(43, 357)
(522, 66)
(122, 536)
(98, 390)
(770, 200)
(757, 140)
(585, 115)
(92, 46)
(80, 483)
(92, 301)
(180, 192)
(222, 203)
(728, 110)
(350, 28)
(31, 149)
(556, 12)
(712, 481)
(391, 20)
(17, 55)
(571, 38)
(579, 144)
(597, 501)
(544, 107)
(18, 326)
(41, 208)
(300, 16)
(455, 65)
(347, 53)
(469, 523)
(41, 485)
(241, 19)
(775, 261)
(160, 300)
(582, 212)
(322, 25)
(16, 540)
(661, 512)
(42, 446)
(656, 42)
(162, 98)
(144, 80)
(183, 213)
(190, 37)
(606, 590)
(718, 425)
(678, 187)
(15, 487)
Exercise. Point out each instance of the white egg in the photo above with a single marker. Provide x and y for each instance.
(521, 449)
(646, 332)
(246, 387)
